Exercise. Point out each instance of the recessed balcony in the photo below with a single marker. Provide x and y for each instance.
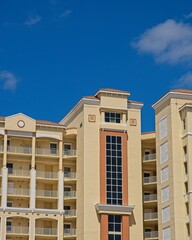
(47, 175)
(69, 176)
(18, 192)
(47, 152)
(150, 216)
(46, 231)
(18, 173)
(151, 235)
(150, 180)
(70, 213)
(69, 153)
(149, 157)
(69, 194)
(17, 230)
(46, 193)
(19, 150)
(69, 232)
(150, 197)
(1, 148)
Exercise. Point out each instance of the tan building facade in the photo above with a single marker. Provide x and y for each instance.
(95, 176)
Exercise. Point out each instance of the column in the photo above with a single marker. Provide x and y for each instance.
(124, 119)
(60, 228)
(104, 226)
(32, 228)
(5, 151)
(33, 176)
(125, 227)
(102, 117)
(3, 228)
(60, 177)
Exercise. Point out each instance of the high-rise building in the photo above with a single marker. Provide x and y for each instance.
(95, 176)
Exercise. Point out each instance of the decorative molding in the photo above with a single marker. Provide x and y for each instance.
(116, 209)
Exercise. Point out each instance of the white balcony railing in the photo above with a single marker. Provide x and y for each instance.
(150, 197)
(152, 234)
(69, 194)
(69, 232)
(18, 172)
(17, 230)
(70, 213)
(24, 150)
(70, 175)
(46, 152)
(150, 216)
(151, 179)
(148, 157)
(49, 175)
(69, 153)
(46, 231)
(46, 193)
(18, 191)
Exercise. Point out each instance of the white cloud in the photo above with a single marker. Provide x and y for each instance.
(66, 13)
(32, 20)
(168, 42)
(8, 80)
(188, 15)
(185, 80)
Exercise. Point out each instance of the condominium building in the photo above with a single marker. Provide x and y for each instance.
(95, 176)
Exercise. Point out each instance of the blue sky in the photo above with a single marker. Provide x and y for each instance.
(53, 52)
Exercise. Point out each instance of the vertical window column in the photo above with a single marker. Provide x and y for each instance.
(114, 227)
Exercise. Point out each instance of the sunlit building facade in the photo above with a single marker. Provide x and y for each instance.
(94, 175)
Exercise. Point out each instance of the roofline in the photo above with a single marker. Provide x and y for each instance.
(112, 92)
(185, 105)
(170, 94)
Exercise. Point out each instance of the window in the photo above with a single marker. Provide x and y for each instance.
(164, 152)
(164, 174)
(165, 214)
(53, 148)
(9, 225)
(114, 227)
(167, 233)
(112, 117)
(9, 203)
(67, 146)
(10, 168)
(165, 194)
(163, 128)
(114, 170)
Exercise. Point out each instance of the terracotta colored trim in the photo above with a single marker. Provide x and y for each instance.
(125, 227)
(104, 227)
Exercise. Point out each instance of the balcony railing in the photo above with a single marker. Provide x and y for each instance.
(69, 194)
(18, 191)
(46, 231)
(150, 216)
(148, 157)
(49, 175)
(152, 234)
(151, 179)
(18, 172)
(69, 232)
(69, 153)
(1, 148)
(46, 193)
(23, 150)
(46, 152)
(17, 230)
(70, 175)
(70, 213)
(150, 197)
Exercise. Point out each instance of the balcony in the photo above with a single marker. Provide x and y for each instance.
(47, 175)
(46, 193)
(18, 191)
(69, 194)
(18, 172)
(151, 235)
(46, 231)
(1, 148)
(150, 197)
(151, 216)
(151, 179)
(46, 152)
(70, 176)
(69, 232)
(19, 150)
(17, 230)
(69, 153)
(149, 157)
(70, 213)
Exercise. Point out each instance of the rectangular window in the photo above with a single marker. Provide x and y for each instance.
(165, 214)
(112, 117)
(114, 170)
(164, 174)
(163, 128)
(164, 152)
(53, 148)
(167, 233)
(165, 194)
(114, 227)
(9, 225)
(10, 168)
(9, 203)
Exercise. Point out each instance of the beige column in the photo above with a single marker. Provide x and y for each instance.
(3, 228)
(33, 176)
(32, 228)
(5, 150)
(124, 118)
(4, 175)
(60, 228)
(102, 117)
(60, 177)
